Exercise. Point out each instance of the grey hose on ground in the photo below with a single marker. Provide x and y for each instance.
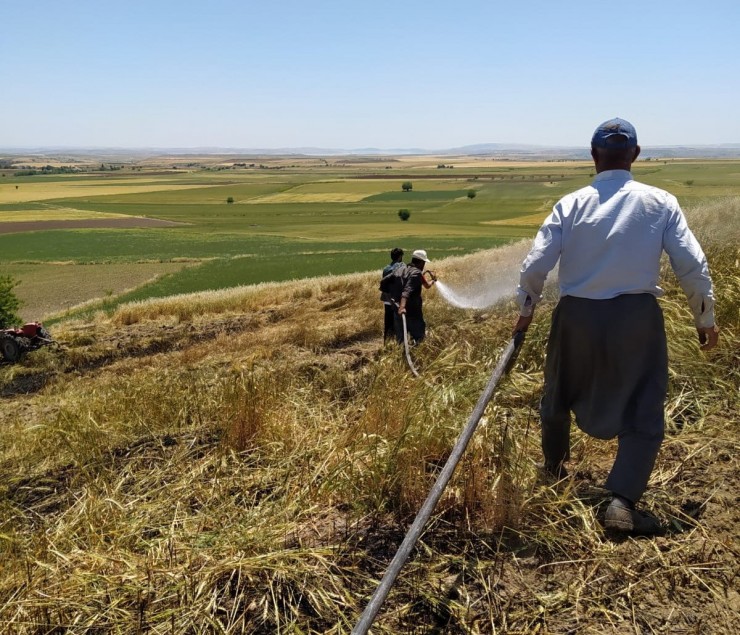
(376, 601)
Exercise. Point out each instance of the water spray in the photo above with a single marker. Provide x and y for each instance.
(480, 280)
(481, 300)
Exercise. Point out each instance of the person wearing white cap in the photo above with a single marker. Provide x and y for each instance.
(607, 359)
(411, 302)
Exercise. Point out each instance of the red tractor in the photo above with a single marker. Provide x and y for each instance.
(14, 343)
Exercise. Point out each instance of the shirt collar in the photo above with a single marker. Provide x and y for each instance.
(613, 175)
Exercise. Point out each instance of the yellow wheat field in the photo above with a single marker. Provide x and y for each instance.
(27, 192)
(53, 213)
(530, 220)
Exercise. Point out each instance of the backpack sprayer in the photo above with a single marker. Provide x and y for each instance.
(376, 601)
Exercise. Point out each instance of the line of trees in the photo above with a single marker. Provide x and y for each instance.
(48, 169)
(9, 303)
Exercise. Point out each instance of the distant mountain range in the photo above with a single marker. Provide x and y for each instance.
(497, 150)
(728, 150)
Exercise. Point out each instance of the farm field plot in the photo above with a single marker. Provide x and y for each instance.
(533, 220)
(52, 213)
(40, 191)
(215, 192)
(351, 191)
(46, 289)
(295, 218)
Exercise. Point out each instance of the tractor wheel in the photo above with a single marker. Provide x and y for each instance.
(10, 348)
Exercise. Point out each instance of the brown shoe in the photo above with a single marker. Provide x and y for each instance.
(621, 517)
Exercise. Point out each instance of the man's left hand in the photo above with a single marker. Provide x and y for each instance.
(522, 324)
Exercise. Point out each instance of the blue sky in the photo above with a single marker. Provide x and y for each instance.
(351, 74)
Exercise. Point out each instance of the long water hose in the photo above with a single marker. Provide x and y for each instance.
(376, 601)
(406, 346)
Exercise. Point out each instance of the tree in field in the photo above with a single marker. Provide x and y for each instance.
(230, 199)
(404, 214)
(9, 303)
(407, 186)
(471, 194)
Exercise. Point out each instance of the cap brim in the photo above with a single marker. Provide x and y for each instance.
(608, 141)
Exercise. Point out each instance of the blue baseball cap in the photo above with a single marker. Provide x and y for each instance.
(612, 128)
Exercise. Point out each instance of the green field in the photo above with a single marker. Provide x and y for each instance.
(292, 222)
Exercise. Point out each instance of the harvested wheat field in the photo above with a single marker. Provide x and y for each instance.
(248, 461)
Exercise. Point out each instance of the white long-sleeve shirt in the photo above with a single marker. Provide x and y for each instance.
(609, 237)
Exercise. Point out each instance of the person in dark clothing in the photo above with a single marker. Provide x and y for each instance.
(390, 309)
(411, 302)
(607, 359)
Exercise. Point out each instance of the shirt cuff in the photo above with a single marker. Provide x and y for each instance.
(526, 304)
(705, 320)
(704, 313)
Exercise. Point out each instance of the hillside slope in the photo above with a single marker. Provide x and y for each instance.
(248, 461)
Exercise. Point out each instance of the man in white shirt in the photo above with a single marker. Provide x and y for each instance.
(607, 356)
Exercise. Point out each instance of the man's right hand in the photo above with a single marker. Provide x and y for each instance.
(708, 337)
(401, 310)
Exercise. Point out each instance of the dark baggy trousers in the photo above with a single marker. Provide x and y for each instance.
(607, 362)
(389, 328)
